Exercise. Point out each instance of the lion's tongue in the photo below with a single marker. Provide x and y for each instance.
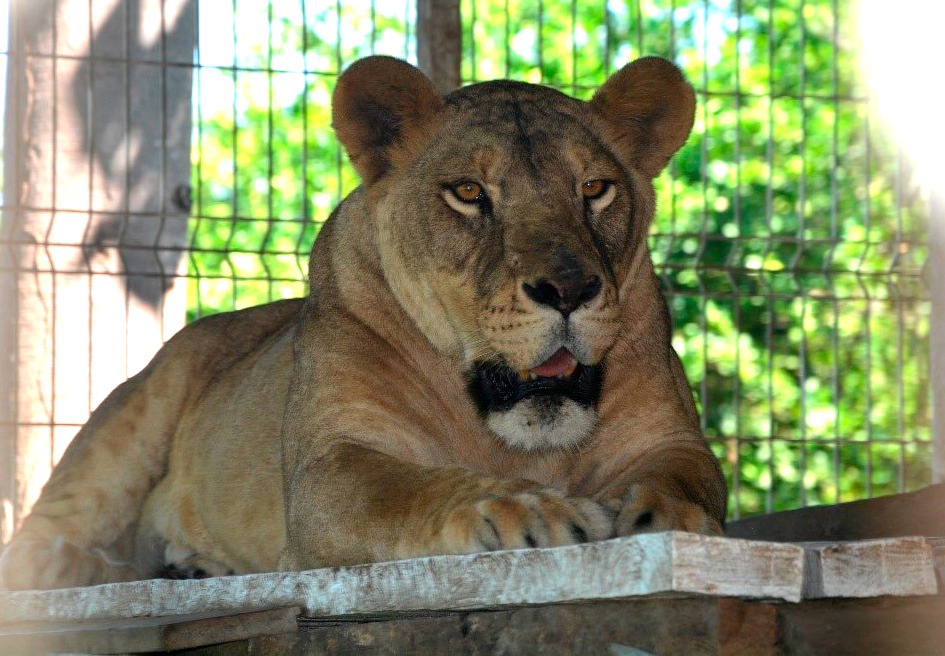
(561, 363)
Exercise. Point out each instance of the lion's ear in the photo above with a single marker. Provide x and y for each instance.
(380, 104)
(651, 106)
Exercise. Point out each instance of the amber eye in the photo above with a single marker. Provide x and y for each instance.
(468, 192)
(594, 188)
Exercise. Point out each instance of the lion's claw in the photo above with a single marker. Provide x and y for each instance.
(543, 518)
(647, 510)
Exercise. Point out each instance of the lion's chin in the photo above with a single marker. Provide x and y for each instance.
(543, 422)
(537, 412)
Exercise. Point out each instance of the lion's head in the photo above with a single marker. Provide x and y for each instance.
(511, 223)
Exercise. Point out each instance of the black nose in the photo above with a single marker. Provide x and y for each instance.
(564, 293)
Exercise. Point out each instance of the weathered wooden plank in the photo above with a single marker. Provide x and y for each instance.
(886, 625)
(145, 634)
(639, 626)
(734, 568)
(871, 568)
(898, 515)
(615, 569)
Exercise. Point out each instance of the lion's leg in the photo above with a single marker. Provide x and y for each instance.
(80, 530)
(164, 548)
(73, 535)
(359, 505)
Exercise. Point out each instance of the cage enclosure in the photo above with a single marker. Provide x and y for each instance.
(169, 159)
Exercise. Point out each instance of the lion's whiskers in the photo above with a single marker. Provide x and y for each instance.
(478, 346)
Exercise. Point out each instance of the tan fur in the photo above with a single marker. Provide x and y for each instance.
(340, 428)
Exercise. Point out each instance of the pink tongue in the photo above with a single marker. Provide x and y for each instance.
(558, 364)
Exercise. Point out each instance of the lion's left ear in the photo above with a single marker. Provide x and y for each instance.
(651, 107)
(379, 107)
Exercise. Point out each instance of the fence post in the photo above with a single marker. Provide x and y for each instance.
(937, 328)
(96, 186)
(439, 42)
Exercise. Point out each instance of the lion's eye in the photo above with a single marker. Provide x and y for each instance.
(593, 189)
(468, 192)
(467, 197)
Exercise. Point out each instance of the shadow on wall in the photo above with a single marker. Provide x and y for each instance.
(135, 125)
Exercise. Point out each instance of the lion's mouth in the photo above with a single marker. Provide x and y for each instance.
(496, 387)
(560, 365)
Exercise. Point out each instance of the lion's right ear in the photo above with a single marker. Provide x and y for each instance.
(380, 106)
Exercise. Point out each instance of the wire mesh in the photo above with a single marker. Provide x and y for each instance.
(267, 170)
(790, 238)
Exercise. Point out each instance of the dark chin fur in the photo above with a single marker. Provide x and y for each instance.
(495, 387)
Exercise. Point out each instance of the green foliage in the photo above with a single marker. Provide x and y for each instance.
(789, 240)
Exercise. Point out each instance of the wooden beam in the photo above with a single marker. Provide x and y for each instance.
(439, 42)
(937, 329)
(702, 625)
(885, 625)
(167, 633)
(913, 513)
(747, 628)
(640, 626)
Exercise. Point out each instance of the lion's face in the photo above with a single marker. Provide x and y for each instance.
(522, 223)
(510, 220)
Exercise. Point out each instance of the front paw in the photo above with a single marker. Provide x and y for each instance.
(644, 509)
(538, 518)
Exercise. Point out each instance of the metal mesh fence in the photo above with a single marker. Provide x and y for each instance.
(789, 239)
(267, 170)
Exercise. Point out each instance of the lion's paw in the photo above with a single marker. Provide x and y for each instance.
(183, 562)
(647, 510)
(541, 518)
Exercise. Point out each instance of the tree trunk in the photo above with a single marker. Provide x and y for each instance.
(96, 186)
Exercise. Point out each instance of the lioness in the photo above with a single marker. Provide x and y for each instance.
(483, 362)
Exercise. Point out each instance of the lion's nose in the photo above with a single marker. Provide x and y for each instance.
(566, 292)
